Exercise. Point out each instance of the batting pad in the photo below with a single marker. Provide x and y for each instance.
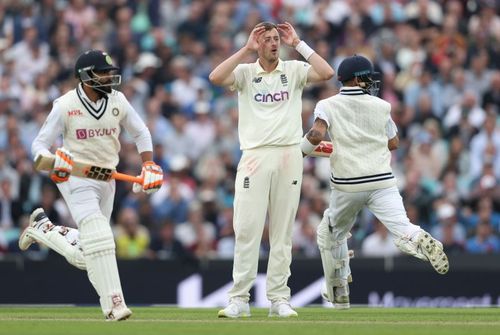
(334, 257)
(56, 240)
(98, 246)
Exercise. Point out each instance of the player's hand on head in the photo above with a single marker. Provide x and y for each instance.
(63, 165)
(152, 176)
(288, 34)
(253, 39)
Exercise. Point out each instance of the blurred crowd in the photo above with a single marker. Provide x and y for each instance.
(439, 65)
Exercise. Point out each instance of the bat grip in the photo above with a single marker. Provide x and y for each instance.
(126, 177)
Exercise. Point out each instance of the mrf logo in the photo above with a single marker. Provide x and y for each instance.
(75, 112)
(83, 134)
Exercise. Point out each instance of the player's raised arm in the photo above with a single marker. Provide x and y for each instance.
(320, 69)
(223, 74)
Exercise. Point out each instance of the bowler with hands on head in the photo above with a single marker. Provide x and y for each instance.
(269, 175)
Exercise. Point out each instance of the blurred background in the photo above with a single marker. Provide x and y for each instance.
(439, 64)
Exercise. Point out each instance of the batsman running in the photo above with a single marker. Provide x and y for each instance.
(90, 118)
(363, 133)
(269, 175)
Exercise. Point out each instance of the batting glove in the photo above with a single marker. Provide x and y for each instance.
(63, 165)
(152, 176)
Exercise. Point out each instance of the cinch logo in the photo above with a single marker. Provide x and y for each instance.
(75, 112)
(271, 97)
(82, 134)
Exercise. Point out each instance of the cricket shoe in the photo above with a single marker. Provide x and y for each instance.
(119, 312)
(433, 251)
(236, 309)
(37, 219)
(282, 309)
(340, 295)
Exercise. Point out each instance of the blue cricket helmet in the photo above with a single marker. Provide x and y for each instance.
(359, 67)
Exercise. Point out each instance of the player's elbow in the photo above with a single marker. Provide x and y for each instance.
(328, 73)
(393, 143)
(215, 79)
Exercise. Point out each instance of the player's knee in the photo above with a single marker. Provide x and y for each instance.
(96, 235)
(77, 259)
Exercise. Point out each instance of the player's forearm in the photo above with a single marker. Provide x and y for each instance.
(224, 70)
(147, 156)
(321, 67)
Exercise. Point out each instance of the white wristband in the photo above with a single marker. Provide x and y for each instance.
(306, 146)
(305, 50)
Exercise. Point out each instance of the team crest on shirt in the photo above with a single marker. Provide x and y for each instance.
(115, 112)
(257, 80)
(284, 79)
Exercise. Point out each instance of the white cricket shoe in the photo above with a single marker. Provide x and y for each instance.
(38, 216)
(119, 314)
(236, 309)
(341, 297)
(282, 309)
(433, 251)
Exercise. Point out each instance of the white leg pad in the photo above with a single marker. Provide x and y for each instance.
(99, 251)
(334, 257)
(61, 239)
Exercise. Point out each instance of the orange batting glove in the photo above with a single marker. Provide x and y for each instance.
(152, 176)
(63, 165)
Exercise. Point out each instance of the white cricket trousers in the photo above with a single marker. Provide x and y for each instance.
(386, 204)
(86, 197)
(268, 180)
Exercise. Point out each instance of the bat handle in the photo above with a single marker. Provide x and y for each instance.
(126, 177)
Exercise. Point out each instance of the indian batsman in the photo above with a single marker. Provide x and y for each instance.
(363, 133)
(90, 118)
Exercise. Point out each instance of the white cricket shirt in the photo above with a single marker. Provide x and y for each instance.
(90, 129)
(359, 126)
(270, 104)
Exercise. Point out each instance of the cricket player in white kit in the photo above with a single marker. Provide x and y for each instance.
(363, 133)
(269, 175)
(90, 118)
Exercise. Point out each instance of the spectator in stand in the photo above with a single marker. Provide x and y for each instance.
(165, 246)
(484, 242)
(380, 243)
(132, 238)
(449, 230)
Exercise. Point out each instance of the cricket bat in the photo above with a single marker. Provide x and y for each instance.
(80, 169)
(324, 149)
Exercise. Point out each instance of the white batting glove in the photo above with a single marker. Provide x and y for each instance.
(152, 176)
(63, 165)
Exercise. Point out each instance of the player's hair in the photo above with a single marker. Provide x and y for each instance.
(267, 25)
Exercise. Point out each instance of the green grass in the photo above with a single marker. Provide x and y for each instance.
(314, 320)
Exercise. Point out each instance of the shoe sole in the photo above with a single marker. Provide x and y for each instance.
(223, 315)
(283, 316)
(434, 253)
(25, 241)
(341, 306)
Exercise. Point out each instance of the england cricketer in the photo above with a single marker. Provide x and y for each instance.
(269, 175)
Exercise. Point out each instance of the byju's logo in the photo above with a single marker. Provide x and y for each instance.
(81, 134)
(272, 97)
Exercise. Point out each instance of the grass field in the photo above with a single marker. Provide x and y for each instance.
(325, 321)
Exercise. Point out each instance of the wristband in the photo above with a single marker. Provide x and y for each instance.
(306, 146)
(305, 50)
